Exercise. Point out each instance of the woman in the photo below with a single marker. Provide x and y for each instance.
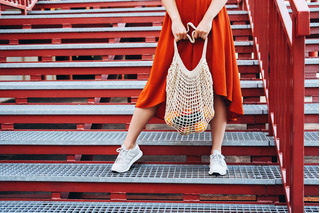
(212, 21)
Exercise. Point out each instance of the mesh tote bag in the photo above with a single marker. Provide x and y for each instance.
(189, 94)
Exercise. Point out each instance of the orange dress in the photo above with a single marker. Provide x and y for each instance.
(220, 57)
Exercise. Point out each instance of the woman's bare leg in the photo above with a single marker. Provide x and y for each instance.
(140, 118)
(218, 123)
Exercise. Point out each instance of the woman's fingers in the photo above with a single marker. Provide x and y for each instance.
(180, 35)
(179, 31)
(201, 34)
(203, 30)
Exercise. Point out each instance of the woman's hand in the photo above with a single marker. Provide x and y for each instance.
(203, 29)
(179, 31)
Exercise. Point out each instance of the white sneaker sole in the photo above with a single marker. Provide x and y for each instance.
(218, 171)
(130, 164)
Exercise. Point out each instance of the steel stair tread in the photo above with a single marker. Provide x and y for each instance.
(146, 138)
(97, 29)
(107, 10)
(93, 29)
(108, 45)
(59, 85)
(118, 64)
(312, 108)
(134, 207)
(309, 61)
(116, 138)
(312, 10)
(148, 173)
(312, 41)
(103, 15)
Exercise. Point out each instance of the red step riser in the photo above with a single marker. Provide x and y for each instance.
(144, 188)
(147, 150)
(249, 95)
(98, 20)
(97, 70)
(253, 121)
(96, 52)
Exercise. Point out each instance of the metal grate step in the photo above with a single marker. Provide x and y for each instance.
(149, 173)
(59, 85)
(312, 108)
(104, 10)
(120, 207)
(312, 61)
(103, 15)
(117, 64)
(145, 138)
(93, 29)
(93, 46)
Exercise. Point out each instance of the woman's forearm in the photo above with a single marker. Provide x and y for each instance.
(178, 29)
(204, 27)
(213, 10)
(172, 10)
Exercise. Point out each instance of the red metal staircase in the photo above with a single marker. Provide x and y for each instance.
(24, 5)
(71, 72)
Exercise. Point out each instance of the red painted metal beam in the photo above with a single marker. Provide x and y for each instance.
(79, 35)
(266, 190)
(301, 15)
(124, 119)
(96, 70)
(87, 93)
(96, 35)
(147, 150)
(94, 51)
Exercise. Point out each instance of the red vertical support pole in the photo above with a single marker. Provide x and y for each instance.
(270, 77)
(297, 138)
(300, 29)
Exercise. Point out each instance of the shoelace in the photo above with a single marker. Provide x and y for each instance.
(218, 158)
(122, 153)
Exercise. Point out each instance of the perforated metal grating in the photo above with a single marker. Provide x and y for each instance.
(81, 85)
(311, 138)
(311, 175)
(99, 29)
(147, 173)
(145, 138)
(117, 64)
(95, 15)
(106, 15)
(116, 138)
(75, 85)
(104, 207)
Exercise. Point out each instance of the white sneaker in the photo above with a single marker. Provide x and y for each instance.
(217, 164)
(126, 158)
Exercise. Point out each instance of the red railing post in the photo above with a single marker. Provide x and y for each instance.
(301, 28)
(280, 42)
(24, 5)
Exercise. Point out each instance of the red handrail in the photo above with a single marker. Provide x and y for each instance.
(280, 42)
(24, 5)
